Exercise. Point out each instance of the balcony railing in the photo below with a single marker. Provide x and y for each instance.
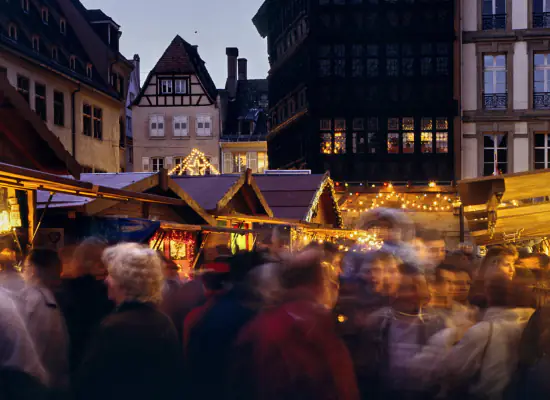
(495, 101)
(541, 101)
(541, 20)
(493, 21)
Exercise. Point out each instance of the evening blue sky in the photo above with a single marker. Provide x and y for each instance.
(148, 27)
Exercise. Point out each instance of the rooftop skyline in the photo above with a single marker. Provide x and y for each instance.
(213, 25)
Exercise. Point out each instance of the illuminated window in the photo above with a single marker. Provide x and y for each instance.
(239, 162)
(393, 143)
(442, 135)
(358, 136)
(426, 142)
(262, 162)
(325, 126)
(442, 142)
(408, 142)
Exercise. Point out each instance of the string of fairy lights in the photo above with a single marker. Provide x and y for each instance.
(388, 197)
(195, 164)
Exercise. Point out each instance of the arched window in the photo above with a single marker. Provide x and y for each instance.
(55, 54)
(25, 6)
(63, 26)
(12, 31)
(45, 15)
(36, 43)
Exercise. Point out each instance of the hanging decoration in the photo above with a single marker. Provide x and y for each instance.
(180, 244)
(195, 164)
(301, 237)
(313, 209)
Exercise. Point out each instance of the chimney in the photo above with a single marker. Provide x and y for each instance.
(231, 83)
(243, 63)
(137, 71)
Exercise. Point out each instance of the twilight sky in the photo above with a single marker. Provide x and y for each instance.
(148, 27)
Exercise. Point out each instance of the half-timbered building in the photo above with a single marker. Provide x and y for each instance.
(176, 111)
(361, 88)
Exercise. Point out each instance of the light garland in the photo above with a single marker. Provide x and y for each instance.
(178, 237)
(315, 202)
(368, 241)
(195, 164)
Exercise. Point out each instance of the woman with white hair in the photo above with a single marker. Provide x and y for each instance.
(136, 353)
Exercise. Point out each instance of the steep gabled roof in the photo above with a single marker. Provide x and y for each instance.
(182, 58)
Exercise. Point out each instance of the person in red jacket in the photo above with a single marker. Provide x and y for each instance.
(291, 351)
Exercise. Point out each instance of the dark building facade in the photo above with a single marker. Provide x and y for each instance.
(362, 88)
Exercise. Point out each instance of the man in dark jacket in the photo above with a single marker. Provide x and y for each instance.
(211, 338)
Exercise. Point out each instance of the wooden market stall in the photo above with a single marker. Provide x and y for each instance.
(510, 208)
(225, 197)
(68, 218)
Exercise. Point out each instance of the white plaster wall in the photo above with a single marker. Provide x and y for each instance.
(521, 148)
(521, 76)
(469, 82)
(519, 14)
(469, 15)
(469, 152)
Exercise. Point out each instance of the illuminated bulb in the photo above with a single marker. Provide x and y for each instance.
(432, 184)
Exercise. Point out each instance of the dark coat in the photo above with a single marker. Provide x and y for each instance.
(209, 345)
(292, 352)
(134, 355)
(84, 303)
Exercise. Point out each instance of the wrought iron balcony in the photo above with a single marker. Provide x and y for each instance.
(495, 101)
(493, 21)
(541, 101)
(541, 20)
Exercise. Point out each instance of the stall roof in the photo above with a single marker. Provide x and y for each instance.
(214, 193)
(30, 135)
(135, 182)
(507, 208)
(296, 197)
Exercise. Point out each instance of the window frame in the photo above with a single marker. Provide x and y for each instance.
(160, 163)
(25, 92)
(35, 42)
(25, 6)
(87, 125)
(545, 148)
(40, 101)
(12, 31)
(180, 132)
(495, 150)
(63, 26)
(163, 90)
(58, 108)
(45, 15)
(97, 122)
(156, 132)
(204, 131)
(184, 83)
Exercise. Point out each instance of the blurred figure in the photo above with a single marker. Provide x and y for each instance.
(136, 353)
(434, 248)
(22, 376)
(463, 283)
(397, 335)
(482, 363)
(11, 278)
(83, 297)
(210, 339)
(291, 351)
(172, 289)
(498, 262)
(43, 317)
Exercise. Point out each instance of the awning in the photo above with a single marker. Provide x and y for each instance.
(507, 208)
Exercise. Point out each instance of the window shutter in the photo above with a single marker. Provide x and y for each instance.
(176, 126)
(185, 125)
(160, 125)
(145, 164)
(198, 129)
(152, 125)
(168, 161)
(208, 126)
(227, 163)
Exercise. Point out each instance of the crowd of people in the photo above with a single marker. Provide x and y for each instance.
(409, 321)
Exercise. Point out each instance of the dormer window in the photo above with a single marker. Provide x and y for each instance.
(12, 32)
(36, 43)
(55, 53)
(72, 63)
(45, 15)
(166, 86)
(63, 26)
(25, 6)
(89, 71)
